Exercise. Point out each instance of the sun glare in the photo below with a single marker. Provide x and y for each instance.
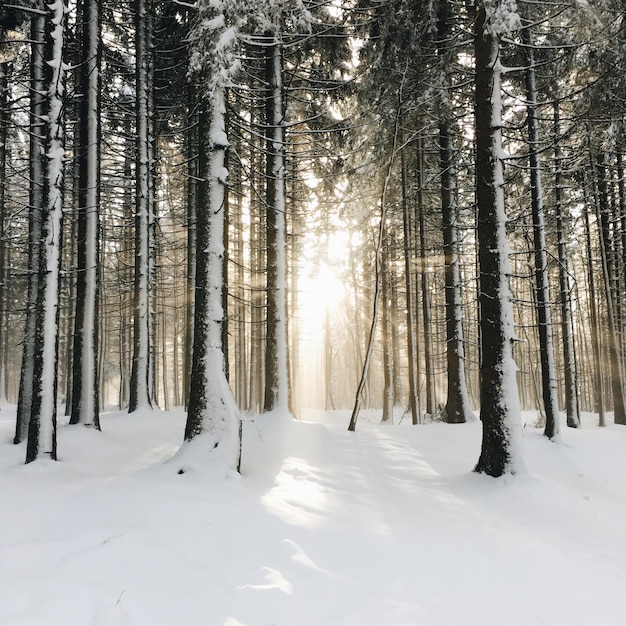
(320, 293)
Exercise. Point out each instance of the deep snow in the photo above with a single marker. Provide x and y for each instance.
(387, 526)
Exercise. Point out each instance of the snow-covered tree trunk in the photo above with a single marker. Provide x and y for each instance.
(544, 317)
(499, 402)
(212, 436)
(276, 360)
(141, 381)
(42, 426)
(36, 173)
(212, 417)
(85, 397)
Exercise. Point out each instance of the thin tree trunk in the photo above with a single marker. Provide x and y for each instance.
(544, 318)
(457, 409)
(276, 358)
(595, 330)
(565, 287)
(619, 409)
(410, 299)
(192, 202)
(4, 123)
(36, 175)
(142, 382)
(85, 395)
(386, 341)
(429, 368)
(378, 269)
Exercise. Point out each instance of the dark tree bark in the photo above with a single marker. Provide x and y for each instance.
(192, 202)
(544, 318)
(85, 394)
(35, 201)
(499, 403)
(457, 409)
(276, 360)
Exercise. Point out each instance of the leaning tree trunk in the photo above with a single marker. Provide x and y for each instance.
(499, 402)
(544, 318)
(85, 388)
(141, 380)
(42, 426)
(276, 361)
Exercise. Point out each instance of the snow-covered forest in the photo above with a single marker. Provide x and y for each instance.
(233, 232)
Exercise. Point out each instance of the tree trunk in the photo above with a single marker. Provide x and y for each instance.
(42, 426)
(544, 318)
(85, 395)
(4, 122)
(595, 328)
(212, 413)
(457, 409)
(619, 410)
(429, 367)
(499, 406)
(192, 202)
(410, 299)
(276, 361)
(565, 287)
(141, 380)
(36, 174)
(386, 341)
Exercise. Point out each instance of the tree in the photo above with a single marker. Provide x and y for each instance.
(212, 417)
(85, 402)
(276, 370)
(499, 403)
(544, 318)
(457, 408)
(142, 374)
(35, 202)
(42, 425)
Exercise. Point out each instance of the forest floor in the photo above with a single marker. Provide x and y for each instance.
(387, 526)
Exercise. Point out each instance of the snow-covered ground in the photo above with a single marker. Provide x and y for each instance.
(387, 526)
